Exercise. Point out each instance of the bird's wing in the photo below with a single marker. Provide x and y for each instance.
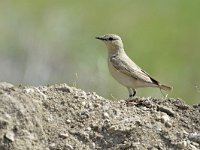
(131, 69)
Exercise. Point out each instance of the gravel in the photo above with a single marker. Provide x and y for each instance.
(62, 117)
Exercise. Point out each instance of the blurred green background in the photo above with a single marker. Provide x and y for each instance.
(48, 41)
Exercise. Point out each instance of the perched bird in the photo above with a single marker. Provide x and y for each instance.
(124, 70)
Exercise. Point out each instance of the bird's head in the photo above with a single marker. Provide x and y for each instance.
(112, 41)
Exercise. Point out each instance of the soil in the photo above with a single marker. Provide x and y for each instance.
(60, 117)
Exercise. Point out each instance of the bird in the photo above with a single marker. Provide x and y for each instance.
(124, 70)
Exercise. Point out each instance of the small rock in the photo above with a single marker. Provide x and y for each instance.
(107, 123)
(83, 95)
(83, 103)
(194, 143)
(65, 88)
(52, 145)
(168, 124)
(76, 96)
(165, 118)
(116, 112)
(166, 110)
(153, 148)
(68, 121)
(106, 106)
(68, 146)
(88, 129)
(84, 114)
(5, 85)
(125, 145)
(10, 135)
(92, 145)
(181, 144)
(29, 90)
(96, 105)
(135, 145)
(185, 133)
(113, 128)
(29, 136)
(64, 135)
(105, 115)
(84, 135)
(90, 105)
(147, 102)
(192, 147)
(41, 93)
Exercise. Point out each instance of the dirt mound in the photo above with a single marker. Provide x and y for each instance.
(63, 117)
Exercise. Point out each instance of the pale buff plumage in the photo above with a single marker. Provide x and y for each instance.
(124, 70)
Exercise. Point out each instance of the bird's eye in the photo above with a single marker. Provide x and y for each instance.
(110, 39)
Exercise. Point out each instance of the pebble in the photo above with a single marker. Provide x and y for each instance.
(105, 115)
(85, 135)
(83, 103)
(68, 146)
(5, 85)
(193, 147)
(88, 129)
(113, 128)
(64, 135)
(125, 145)
(90, 105)
(166, 110)
(106, 106)
(147, 102)
(68, 121)
(165, 118)
(65, 88)
(69, 89)
(41, 93)
(10, 135)
(84, 114)
(92, 145)
(185, 133)
(153, 148)
(52, 145)
(83, 95)
(96, 105)
(76, 96)
(29, 90)
(181, 144)
(168, 124)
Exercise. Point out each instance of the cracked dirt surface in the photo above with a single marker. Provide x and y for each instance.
(60, 117)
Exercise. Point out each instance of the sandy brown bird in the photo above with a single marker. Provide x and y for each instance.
(124, 70)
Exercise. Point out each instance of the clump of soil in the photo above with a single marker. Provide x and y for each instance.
(61, 117)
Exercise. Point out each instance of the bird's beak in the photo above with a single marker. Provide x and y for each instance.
(99, 38)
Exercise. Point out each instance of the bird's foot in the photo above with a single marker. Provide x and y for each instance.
(131, 99)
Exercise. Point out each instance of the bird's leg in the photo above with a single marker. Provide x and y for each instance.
(134, 92)
(130, 91)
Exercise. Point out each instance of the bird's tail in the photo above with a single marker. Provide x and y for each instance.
(165, 87)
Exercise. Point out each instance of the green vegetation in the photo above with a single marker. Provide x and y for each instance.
(46, 42)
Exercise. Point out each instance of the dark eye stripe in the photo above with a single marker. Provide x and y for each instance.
(110, 39)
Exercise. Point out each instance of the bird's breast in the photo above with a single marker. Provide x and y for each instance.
(122, 78)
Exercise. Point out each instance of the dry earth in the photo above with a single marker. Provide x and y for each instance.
(60, 117)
